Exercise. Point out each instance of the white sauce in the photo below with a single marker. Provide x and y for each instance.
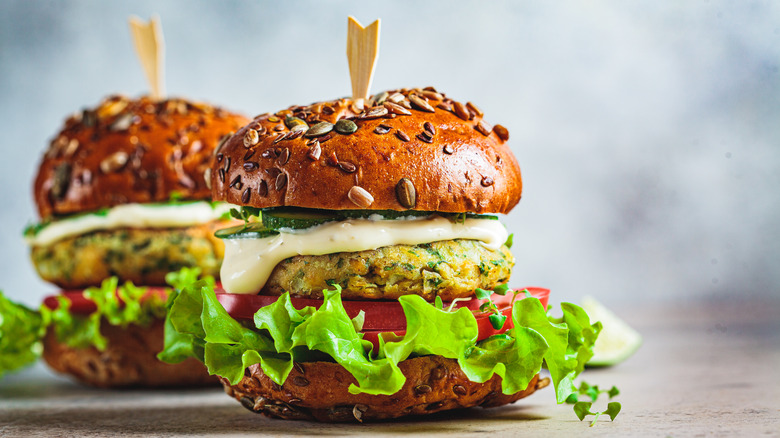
(131, 215)
(249, 262)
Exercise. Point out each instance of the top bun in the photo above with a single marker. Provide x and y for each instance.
(403, 149)
(131, 150)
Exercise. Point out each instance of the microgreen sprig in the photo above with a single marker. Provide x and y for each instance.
(497, 319)
(582, 408)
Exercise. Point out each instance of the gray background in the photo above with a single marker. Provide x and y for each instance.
(647, 131)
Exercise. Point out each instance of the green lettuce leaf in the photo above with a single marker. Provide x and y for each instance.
(282, 334)
(21, 331)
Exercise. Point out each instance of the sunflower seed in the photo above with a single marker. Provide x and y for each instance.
(236, 183)
(432, 95)
(121, 123)
(381, 97)
(284, 157)
(273, 119)
(319, 129)
(249, 154)
(401, 135)
(314, 151)
(374, 113)
(360, 197)
(475, 108)
(434, 406)
(280, 137)
(438, 373)
(300, 381)
(501, 132)
(425, 136)
(406, 193)
(251, 138)
(428, 126)
(221, 175)
(345, 127)
(248, 403)
(88, 118)
(422, 389)
(449, 149)
(332, 159)
(420, 103)
(461, 111)
(358, 411)
(325, 138)
(251, 165)
(269, 153)
(396, 97)
(114, 162)
(281, 181)
(246, 195)
(207, 177)
(459, 390)
(61, 181)
(327, 110)
(382, 129)
(71, 148)
(111, 108)
(486, 181)
(483, 128)
(347, 167)
(445, 106)
(397, 109)
(298, 367)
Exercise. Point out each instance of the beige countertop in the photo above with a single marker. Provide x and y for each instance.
(704, 370)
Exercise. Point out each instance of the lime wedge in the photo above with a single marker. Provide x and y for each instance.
(616, 342)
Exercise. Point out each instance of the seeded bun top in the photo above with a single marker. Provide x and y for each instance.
(405, 149)
(131, 150)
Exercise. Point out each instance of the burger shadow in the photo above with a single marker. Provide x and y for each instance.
(227, 417)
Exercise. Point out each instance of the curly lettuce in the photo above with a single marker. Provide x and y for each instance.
(280, 334)
(22, 329)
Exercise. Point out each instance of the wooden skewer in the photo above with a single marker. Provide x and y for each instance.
(362, 53)
(148, 41)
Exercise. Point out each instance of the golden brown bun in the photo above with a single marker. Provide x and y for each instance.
(128, 360)
(462, 164)
(131, 150)
(319, 391)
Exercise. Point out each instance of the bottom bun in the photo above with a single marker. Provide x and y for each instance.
(319, 391)
(130, 359)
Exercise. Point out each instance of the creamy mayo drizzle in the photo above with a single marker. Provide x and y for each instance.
(130, 215)
(249, 262)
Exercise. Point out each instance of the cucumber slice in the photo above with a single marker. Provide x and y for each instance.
(252, 230)
(275, 218)
(301, 218)
(616, 342)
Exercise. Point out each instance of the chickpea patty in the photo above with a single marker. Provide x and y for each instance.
(140, 255)
(449, 269)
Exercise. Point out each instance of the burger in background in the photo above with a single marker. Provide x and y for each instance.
(369, 280)
(123, 194)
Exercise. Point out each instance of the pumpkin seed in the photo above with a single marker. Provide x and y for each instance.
(345, 127)
(319, 129)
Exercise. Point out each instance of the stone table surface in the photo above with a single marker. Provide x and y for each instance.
(705, 369)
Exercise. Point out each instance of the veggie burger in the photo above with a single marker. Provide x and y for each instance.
(123, 195)
(369, 278)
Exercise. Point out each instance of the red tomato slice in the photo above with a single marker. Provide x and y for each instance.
(82, 305)
(382, 316)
